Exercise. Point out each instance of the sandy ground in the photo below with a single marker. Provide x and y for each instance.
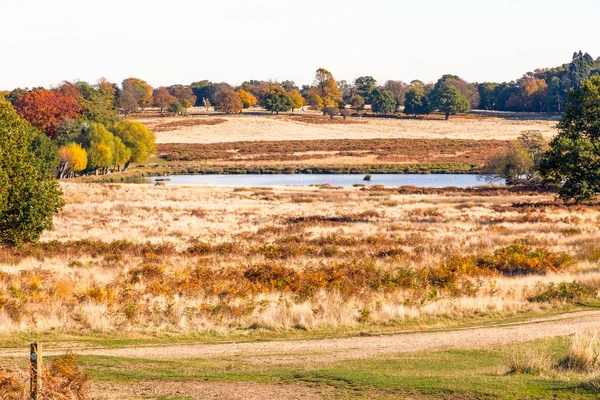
(205, 390)
(250, 128)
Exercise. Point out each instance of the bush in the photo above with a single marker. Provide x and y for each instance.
(564, 291)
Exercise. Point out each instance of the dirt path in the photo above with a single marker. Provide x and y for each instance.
(283, 352)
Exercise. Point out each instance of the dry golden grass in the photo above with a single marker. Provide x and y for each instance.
(284, 127)
(220, 259)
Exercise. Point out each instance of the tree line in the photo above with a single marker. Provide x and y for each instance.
(83, 124)
(543, 90)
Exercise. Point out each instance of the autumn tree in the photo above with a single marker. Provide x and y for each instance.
(45, 109)
(183, 94)
(296, 99)
(101, 148)
(451, 101)
(29, 193)
(135, 93)
(327, 92)
(383, 101)
(162, 99)
(138, 139)
(228, 102)
(277, 99)
(72, 158)
(248, 100)
(108, 90)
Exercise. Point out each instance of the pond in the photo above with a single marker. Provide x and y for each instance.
(346, 180)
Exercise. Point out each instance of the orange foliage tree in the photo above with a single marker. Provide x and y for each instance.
(45, 109)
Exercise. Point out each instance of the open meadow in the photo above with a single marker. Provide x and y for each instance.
(312, 126)
(167, 266)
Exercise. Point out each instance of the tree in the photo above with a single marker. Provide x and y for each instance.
(96, 106)
(487, 100)
(175, 107)
(416, 101)
(365, 85)
(29, 194)
(138, 139)
(45, 109)
(102, 148)
(398, 88)
(277, 99)
(109, 90)
(357, 102)
(72, 158)
(345, 113)
(331, 111)
(468, 90)
(452, 101)
(228, 102)
(573, 159)
(326, 89)
(162, 99)
(248, 100)
(519, 162)
(202, 91)
(135, 93)
(296, 99)
(183, 94)
(383, 101)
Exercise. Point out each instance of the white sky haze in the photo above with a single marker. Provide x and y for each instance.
(167, 42)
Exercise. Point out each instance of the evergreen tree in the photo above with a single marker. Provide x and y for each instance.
(573, 160)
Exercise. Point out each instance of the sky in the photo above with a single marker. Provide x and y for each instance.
(182, 41)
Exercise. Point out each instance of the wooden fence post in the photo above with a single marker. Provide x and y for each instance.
(35, 381)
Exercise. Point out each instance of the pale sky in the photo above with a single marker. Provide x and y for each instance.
(180, 41)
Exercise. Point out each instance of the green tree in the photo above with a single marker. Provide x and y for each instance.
(415, 101)
(357, 102)
(452, 101)
(365, 86)
(383, 101)
(277, 99)
(29, 193)
(573, 159)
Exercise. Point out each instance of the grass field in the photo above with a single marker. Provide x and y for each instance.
(237, 128)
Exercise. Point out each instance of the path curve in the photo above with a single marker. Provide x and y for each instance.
(278, 352)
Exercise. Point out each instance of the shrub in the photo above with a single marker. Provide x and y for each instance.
(564, 291)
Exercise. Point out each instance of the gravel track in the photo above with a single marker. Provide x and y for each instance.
(280, 352)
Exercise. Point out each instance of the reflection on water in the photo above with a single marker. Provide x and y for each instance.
(347, 180)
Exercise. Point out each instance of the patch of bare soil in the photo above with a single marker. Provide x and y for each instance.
(204, 390)
(186, 123)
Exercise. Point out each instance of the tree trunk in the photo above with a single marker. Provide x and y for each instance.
(447, 116)
(126, 165)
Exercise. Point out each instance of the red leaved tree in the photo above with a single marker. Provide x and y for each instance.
(44, 109)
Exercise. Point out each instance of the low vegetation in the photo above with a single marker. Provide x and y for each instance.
(263, 259)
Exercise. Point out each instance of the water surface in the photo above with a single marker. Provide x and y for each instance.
(346, 180)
